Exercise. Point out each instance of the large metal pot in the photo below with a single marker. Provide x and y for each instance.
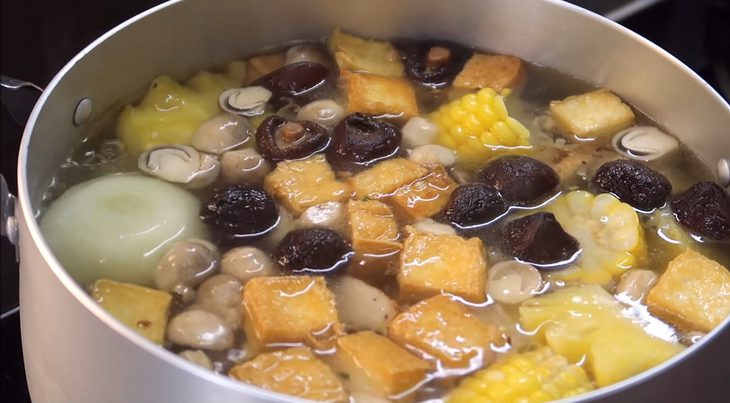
(76, 352)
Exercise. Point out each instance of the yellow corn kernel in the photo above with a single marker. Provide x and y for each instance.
(481, 122)
(535, 376)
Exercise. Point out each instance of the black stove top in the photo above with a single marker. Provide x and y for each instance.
(39, 37)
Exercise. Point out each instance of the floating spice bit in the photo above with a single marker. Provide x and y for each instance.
(180, 164)
(644, 143)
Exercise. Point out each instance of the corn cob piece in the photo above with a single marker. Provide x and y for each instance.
(609, 232)
(478, 126)
(535, 376)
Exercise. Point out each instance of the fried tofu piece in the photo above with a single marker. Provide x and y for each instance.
(264, 64)
(591, 115)
(440, 328)
(426, 196)
(289, 309)
(365, 55)
(378, 95)
(382, 179)
(294, 371)
(305, 183)
(433, 264)
(373, 228)
(692, 294)
(143, 309)
(375, 364)
(493, 71)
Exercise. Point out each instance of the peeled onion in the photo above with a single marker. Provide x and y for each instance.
(119, 226)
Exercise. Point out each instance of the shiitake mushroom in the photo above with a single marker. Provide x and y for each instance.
(634, 183)
(313, 250)
(433, 63)
(539, 239)
(239, 214)
(279, 139)
(704, 208)
(296, 81)
(360, 141)
(473, 205)
(522, 181)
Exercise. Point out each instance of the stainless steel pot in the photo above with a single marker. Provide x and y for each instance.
(76, 352)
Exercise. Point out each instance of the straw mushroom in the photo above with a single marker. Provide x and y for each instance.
(222, 133)
(330, 214)
(325, 112)
(197, 357)
(644, 143)
(180, 164)
(248, 101)
(418, 131)
(221, 295)
(511, 282)
(305, 52)
(185, 265)
(247, 262)
(244, 166)
(433, 154)
(198, 328)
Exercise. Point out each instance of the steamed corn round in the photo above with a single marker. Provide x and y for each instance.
(478, 126)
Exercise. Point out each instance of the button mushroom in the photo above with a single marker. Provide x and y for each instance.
(305, 52)
(244, 166)
(433, 154)
(221, 295)
(329, 214)
(644, 143)
(280, 139)
(185, 265)
(180, 164)
(222, 133)
(511, 282)
(418, 131)
(247, 262)
(248, 101)
(197, 328)
(325, 112)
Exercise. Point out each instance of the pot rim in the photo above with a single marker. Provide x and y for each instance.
(224, 381)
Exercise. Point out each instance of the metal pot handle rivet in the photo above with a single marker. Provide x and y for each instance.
(83, 110)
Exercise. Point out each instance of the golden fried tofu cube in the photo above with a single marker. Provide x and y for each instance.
(264, 64)
(294, 371)
(289, 309)
(440, 328)
(382, 179)
(365, 55)
(433, 264)
(375, 364)
(591, 115)
(426, 196)
(373, 228)
(142, 309)
(493, 71)
(378, 95)
(305, 183)
(692, 294)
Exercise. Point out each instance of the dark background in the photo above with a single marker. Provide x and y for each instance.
(39, 37)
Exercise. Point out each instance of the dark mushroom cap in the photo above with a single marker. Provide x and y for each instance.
(634, 183)
(433, 63)
(473, 205)
(704, 208)
(313, 250)
(295, 81)
(239, 214)
(279, 139)
(539, 239)
(360, 141)
(522, 181)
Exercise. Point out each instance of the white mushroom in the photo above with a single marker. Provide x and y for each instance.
(511, 282)
(197, 328)
(645, 143)
(185, 265)
(433, 227)
(305, 52)
(222, 133)
(247, 262)
(244, 166)
(433, 154)
(329, 214)
(636, 283)
(325, 112)
(418, 131)
(286, 224)
(197, 357)
(180, 164)
(221, 295)
(248, 101)
(363, 307)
